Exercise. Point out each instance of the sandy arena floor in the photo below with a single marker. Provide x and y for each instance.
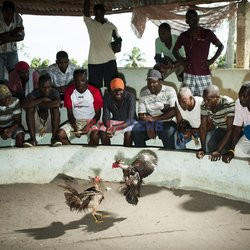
(36, 217)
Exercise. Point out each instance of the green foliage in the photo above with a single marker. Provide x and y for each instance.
(221, 62)
(134, 59)
(74, 61)
(85, 64)
(38, 63)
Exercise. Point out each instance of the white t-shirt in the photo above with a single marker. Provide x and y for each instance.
(100, 36)
(82, 105)
(241, 116)
(193, 116)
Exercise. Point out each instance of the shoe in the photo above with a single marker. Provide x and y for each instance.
(29, 143)
(55, 143)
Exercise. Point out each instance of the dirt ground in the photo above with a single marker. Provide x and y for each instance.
(36, 217)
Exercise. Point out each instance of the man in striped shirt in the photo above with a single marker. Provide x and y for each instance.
(220, 110)
(10, 117)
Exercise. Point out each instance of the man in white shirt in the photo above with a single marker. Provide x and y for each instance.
(61, 72)
(101, 60)
(11, 31)
(240, 146)
(188, 112)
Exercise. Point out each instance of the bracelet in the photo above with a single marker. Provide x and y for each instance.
(231, 150)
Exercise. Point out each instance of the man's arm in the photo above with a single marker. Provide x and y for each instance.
(86, 8)
(217, 54)
(203, 134)
(71, 119)
(30, 102)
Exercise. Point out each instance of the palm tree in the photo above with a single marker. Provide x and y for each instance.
(134, 59)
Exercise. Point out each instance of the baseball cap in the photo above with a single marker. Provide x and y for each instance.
(117, 83)
(4, 91)
(154, 74)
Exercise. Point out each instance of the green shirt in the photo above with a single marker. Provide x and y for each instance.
(161, 48)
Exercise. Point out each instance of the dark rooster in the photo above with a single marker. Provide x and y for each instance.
(89, 198)
(144, 165)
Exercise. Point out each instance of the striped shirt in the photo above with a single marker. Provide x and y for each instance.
(123, 113)
(226, 110)
(7, 113)
(153, 104)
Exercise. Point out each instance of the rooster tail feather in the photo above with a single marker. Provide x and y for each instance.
(131, 195)
(69, 189)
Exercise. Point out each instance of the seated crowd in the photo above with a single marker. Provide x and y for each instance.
(219, 124)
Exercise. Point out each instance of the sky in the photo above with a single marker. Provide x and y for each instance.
(46, 35)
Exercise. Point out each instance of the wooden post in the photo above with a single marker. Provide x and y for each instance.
(243, 35)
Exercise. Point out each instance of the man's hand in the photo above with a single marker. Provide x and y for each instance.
(215, 156)
(6, 133)
(200, 154)
(111, 131)
(228, 157)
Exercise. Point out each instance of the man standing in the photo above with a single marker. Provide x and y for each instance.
(23, 80)
(83, 103)
(196, 41)
(240, 146)
(11, 31)
(118, 113)
(156, 110)
(220, 110)
(40, 101)
(101, 60)
(10, 117)
(61, 72)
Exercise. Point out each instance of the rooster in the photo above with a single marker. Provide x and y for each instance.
(144, 165)
(89, 198)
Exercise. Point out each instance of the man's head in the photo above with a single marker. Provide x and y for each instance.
(154, 81)
(99, 12)
(80, 80)
(45, 85)
(62, 60)
(164, 31)
(186, 99)
(8, 10)
(22, 69)
(192, 18)
(244, 95)
(211, 96)
(117, 87)
(5, 95)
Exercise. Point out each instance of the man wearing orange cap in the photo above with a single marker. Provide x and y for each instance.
(10, 117)
(23, 80)
(118, 113)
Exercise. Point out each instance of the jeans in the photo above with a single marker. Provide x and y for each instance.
(164, 130)
(213, 139)
(8, 60)
(182, 145)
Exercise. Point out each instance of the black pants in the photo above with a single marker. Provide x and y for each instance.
(104, 71)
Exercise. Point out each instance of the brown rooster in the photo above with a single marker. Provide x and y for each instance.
(89, 198)
(143, 166)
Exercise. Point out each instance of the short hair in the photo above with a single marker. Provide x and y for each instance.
(99, 7)
(213, 89)
(80, 71)
(245, 87)
(165, 26)
(8, 5)
(61, 54)
(44, 78)
(190, 12)
(185, 92)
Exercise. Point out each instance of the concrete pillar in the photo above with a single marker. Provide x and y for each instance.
(243, 35)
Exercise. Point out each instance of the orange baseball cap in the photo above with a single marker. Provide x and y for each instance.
(117, 83)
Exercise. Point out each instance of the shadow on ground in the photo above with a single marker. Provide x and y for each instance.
(202, 202)
(57, 228)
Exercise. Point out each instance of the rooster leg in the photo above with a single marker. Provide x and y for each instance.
(95, 216)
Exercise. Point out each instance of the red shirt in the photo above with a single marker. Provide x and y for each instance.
(98, 100)
(197, 50)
